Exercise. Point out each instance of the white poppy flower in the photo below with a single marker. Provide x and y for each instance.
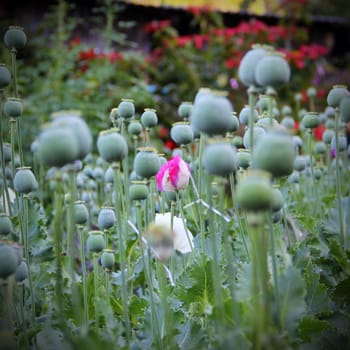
(183, 242)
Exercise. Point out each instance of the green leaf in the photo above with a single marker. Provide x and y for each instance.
(309, 326)
(341, 292)
(316, 297)
(292, 293)
(339, 255)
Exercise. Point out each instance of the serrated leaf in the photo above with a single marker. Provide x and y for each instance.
(292, 293)
(308, 326)
(341, 292)
(316, 297)
(339, 254)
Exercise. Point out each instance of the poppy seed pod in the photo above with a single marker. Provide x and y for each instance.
(300, 163)
(5, 76)
(8, 261)
(234, 123)
(57, 146)
(244, 158)
(310, 120)
(138, 190)
(13, 107)
(21, 272)
(212, 114)
(112, 146)
(344, 109)
(288, 123)
(275, 153)
(126, 109)
(7, 152)
(286, 111)
(149, 118)
(277, 199)
(184, 110)
(336, 94)
(106, 218)
(330, 124)
(108, 259)
(24, 180)
(327, 136)
(237, 141)
(146, 162)
(318, 173)
(311, 91)
(320, 148)
(263, 103)
(259, 133)
(219, 159)
(81, 213)
(95, 242)
(254, 191)
(5, 224)
(15, 37)
(73, 121)
(135, 128)
(244, 115)
(272, 70)
(181, 133)
(342, 143)
(248, 63)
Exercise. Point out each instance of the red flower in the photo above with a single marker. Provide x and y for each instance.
(183, 40)
(156, 26)
(318, 132)
(231, 63)
(115, 56)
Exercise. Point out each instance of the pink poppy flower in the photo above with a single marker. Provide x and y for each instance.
(174, 175)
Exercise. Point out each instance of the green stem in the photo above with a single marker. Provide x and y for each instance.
(312, 168)
(251, 99)
(26, 254)
(96, 288)
(200, 186)
(84, 278)
(338, 182)
(6, 196)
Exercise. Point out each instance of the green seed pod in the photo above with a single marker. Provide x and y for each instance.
(288, 123)
(276, 216)
(277, 199)
(138, 191)
(318, 173)
(5, 76)
(237, 141)
(330, 112)
(170, 196)
(109, 175)
(7, 152)
(95, 242)
(344, 109)
(320, 148)
(24, 180)
(81, 213)
(311, 91)
(272, 70)
(112, 146)
(265, 122)
(310, 120)
(219, 159)
(212, 114)
(15, 37)
(259, 133)
(342, 143)
(5, 224)
(106, 218)
(13, 107)
(181, 133)
(294, 178)
(8, 261)
(244, 158)
(330, 124)
(234, 123)
(149, 118)
(263, 103)
(108, 259)
(135, 128)
(286, 111)
(57, 147)
(300, 163)
(254, 191)
(327, 136)
(246, 69)
(146, 162)
(73, 121)
(336, 94)
(275, 153)
(244, 115)
(184, 110)
(98, 174)
(21, 272)
(126, 109)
